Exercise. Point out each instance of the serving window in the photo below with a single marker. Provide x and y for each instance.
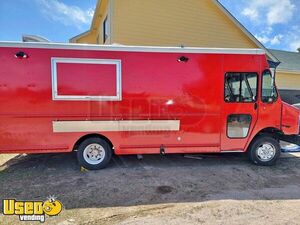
(86, 79)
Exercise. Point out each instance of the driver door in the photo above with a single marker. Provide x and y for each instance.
(240, 109)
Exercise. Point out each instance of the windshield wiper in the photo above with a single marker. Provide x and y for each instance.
(249, 88)
(230, 89)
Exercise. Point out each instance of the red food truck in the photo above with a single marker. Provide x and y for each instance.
(104, 100)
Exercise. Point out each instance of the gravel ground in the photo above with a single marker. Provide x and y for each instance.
(210, 189)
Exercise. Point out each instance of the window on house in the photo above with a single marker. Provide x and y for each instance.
(98, 39)
(105, 30)
(240, 87)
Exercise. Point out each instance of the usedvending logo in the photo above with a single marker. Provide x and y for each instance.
(32, 210)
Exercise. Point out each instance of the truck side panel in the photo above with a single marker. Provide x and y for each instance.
(155, 86)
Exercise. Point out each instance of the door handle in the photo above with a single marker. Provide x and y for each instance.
(255, 106)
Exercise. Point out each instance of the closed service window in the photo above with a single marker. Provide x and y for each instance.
(240, 87)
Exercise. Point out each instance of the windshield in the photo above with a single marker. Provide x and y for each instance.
(269, 91)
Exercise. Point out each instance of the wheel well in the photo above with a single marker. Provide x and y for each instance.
(270, 131)
(92, 136)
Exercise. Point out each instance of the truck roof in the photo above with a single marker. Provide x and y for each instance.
(157, 49)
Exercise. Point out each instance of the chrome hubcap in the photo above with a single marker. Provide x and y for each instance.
(94, 154)
(266, 152)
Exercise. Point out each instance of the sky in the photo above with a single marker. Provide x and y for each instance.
(275, 23)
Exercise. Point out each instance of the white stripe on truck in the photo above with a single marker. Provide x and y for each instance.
(109, 126)
(125, 48)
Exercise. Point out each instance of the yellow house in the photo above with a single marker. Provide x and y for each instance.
(189, 23)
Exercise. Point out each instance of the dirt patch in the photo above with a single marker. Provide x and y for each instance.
(224, 189)
(164, 190)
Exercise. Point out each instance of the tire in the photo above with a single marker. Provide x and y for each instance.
(264, 151)
(94, 153)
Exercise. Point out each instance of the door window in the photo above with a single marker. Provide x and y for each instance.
(240, 87)
(269, 92)
(238, 126)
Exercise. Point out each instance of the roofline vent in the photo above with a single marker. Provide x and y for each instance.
(34, 38)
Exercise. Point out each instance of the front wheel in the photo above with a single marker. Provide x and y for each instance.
(94, 153)
(264, 151)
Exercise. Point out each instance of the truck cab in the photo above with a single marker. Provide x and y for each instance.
(257, 117)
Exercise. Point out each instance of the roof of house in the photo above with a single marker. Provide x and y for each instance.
(244, 29)
(219, 5)
(290, 61)
(95, 17)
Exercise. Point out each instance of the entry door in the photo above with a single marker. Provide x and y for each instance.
(240, 108)
(269, 108)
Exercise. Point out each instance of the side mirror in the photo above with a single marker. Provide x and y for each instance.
(271, 100)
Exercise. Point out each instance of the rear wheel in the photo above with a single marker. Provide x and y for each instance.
(264, 151)
(94, 153)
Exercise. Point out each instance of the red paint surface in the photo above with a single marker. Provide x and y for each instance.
(290, 117)
(149, 82)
